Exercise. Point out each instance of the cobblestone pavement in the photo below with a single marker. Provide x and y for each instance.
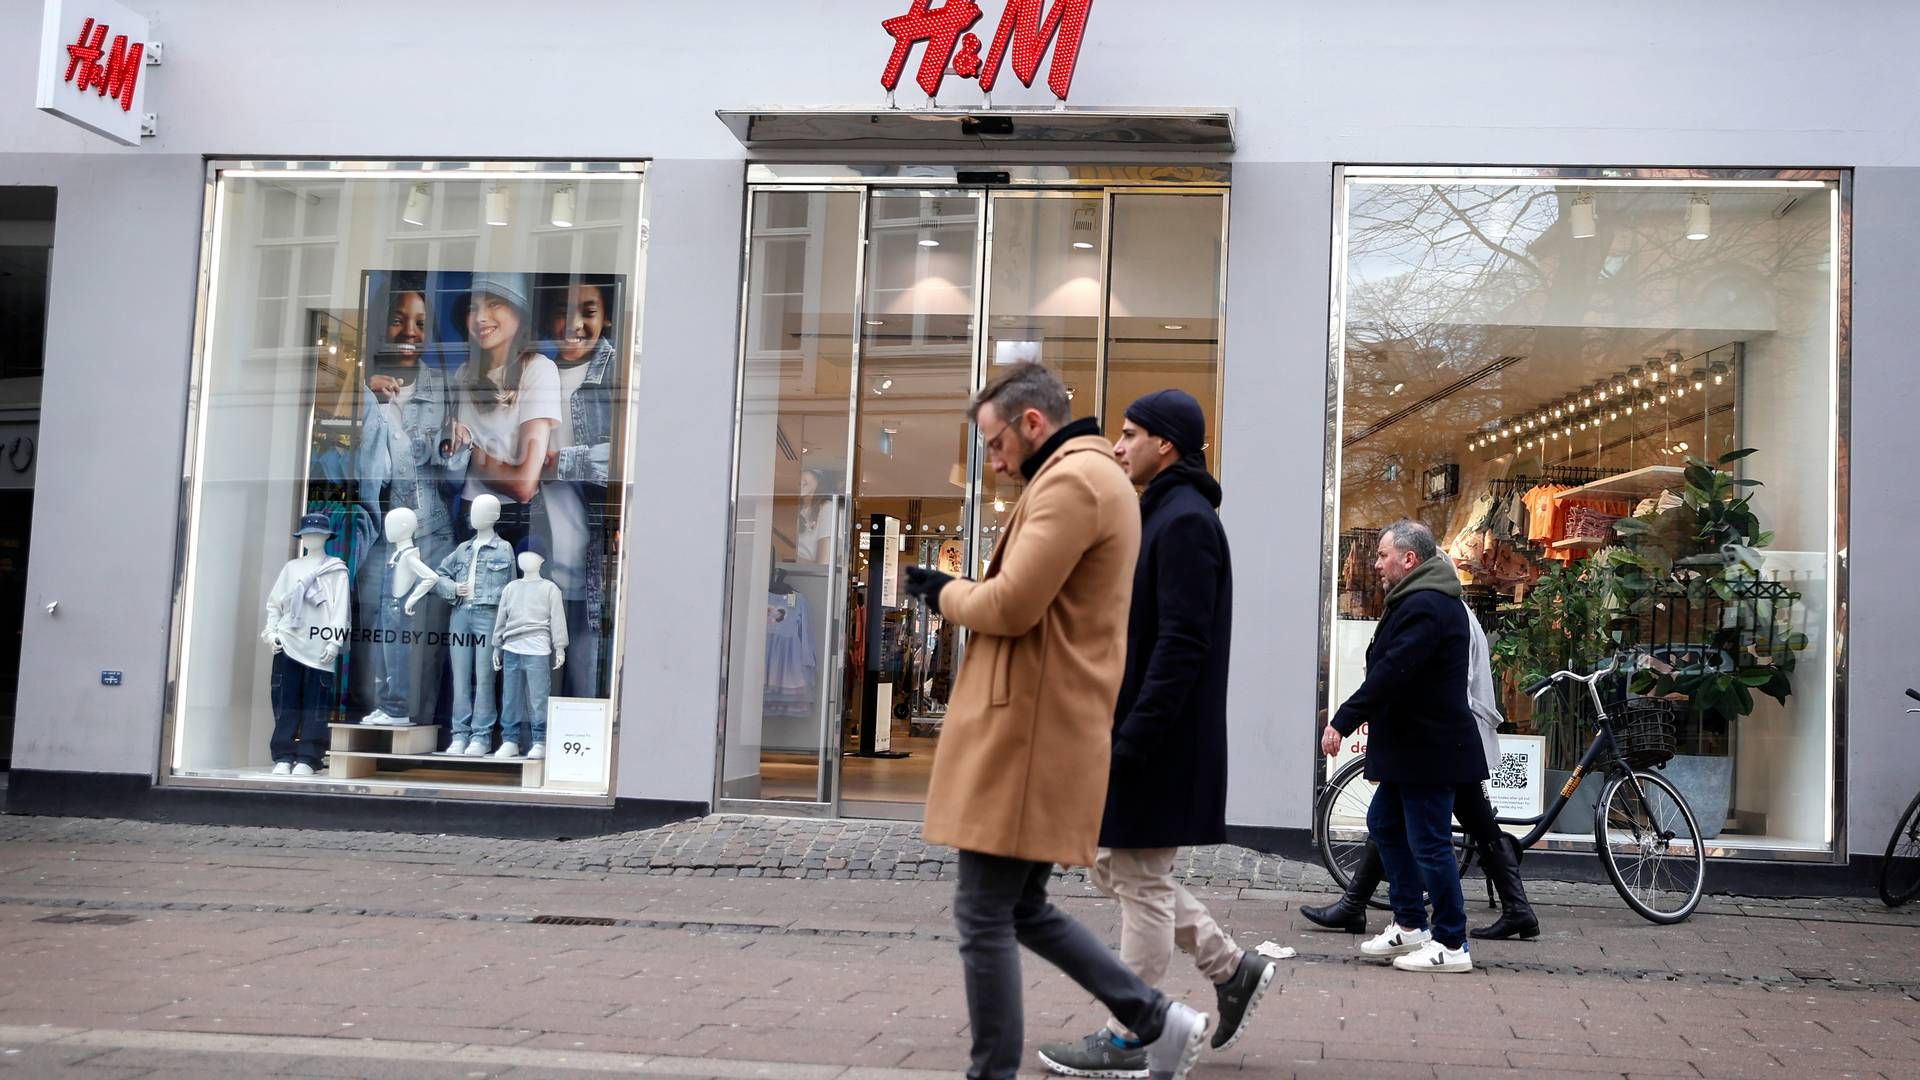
(146, 950)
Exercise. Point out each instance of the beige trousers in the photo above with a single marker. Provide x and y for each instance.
(1156, 914)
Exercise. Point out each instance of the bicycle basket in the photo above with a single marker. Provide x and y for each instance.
(1644, 734)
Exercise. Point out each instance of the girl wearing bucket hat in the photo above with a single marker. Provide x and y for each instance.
(509, 399)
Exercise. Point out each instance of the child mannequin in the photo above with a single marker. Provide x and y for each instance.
(306, 627)
(473, 576)
(408, 579)
(531, 627)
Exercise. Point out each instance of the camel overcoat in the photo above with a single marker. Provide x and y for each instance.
(1021, 768)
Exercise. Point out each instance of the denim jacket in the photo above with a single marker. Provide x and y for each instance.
(585, 464)
(407, 465)
(491, 572)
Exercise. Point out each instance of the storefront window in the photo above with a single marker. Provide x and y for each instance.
(1559, 376)
(403, 561)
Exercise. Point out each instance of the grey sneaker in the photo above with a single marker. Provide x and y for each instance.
(1171, 1056)
(1099, 1054)
(1239, 996)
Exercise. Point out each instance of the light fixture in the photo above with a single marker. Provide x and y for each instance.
(333, 350)
(1673, 361)
(1584, 225)
(1397, 387)
(1699, 378)
(1173, 326)
(876, 322)
(886, 384)
(1083, 232)
(927, 240)
(1635, 374)
(1663, 397)
(496, 206)
(1619, 386)
(1719, 372)
(1699, 217)
(1602, 392)
(562, 215)
(999, 506)
(1680, 388)
(1556, 410)
(1586, 398)
(1613, 414)
(417, 202)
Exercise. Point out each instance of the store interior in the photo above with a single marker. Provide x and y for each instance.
(845, 481)
(1524, 363)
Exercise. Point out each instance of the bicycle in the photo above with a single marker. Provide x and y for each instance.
(1643, 830)
(1900, 869)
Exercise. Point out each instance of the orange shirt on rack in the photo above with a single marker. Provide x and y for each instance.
(1540, 511)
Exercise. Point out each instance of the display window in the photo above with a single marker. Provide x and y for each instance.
(407, 477)
(1616, 400)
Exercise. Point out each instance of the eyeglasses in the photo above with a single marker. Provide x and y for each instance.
(993, 444)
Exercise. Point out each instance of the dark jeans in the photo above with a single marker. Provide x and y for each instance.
(1412, 826)
(1474, 811)
(1003, 901)
(302, 707)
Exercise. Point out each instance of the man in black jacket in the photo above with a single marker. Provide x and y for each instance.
(1421, 743)
(1167, 782)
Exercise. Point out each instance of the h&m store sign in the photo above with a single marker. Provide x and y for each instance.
(1028, 26)
(92, 53)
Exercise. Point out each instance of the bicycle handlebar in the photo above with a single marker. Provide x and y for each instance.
(1596, 675)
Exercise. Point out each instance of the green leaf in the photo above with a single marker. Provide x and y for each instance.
(1700, 476)
(1797, 642)
(1756, 676)
(1744, 482)
(1631, 526)
(1732, 456)
(1721, 589)
(1746, 699)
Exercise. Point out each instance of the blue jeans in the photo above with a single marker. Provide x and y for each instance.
(1412, 825)
(395, 655)
(529, 679)
(302, 699)
(470, 633)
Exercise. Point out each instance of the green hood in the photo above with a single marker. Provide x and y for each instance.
(1436, 574)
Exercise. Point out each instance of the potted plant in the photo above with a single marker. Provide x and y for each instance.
(1713, 632)
(1562, 623)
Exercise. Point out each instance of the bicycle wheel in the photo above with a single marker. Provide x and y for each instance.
(1651, 847)
(1340, 825)
(1900, 870)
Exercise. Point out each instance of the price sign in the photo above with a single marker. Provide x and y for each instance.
(577, 742)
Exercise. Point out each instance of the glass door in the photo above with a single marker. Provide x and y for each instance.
(791, 530)
(912, 478)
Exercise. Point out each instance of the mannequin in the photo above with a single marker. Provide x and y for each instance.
(307, 622)
(473, 576)
(408, 579)
(531, 634)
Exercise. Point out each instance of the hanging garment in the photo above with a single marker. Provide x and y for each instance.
(790, 661)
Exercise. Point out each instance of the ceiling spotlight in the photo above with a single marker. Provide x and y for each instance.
(1619, 386)
(1083, 231)
(1663, 397)
(1173, 326)
(1397, 387)
(1719, 372)
(876, 322)
(1602, 393)
(496, 206)
(1583, 222)
(1556, 411)
(927, 240)
(1614, 414)
(1635, 374)
(1673, 359)
(886, 384)
(1680, 388)
(1699, 378)
(417, 202)
(562, 211)
(999, 506)
(1699, 217)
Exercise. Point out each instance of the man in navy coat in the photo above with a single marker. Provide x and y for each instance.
(1167, 782)
(1421, 744)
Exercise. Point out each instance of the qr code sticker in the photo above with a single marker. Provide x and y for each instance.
(1512, 772)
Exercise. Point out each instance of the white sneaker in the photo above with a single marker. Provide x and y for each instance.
(1394, 941)
(282, 768)
(508, 749)
(457, 747)
(1171, 1056)
(396, 721)
(538, 751)
(1434, 956)
(476, 748)
(303, 769)
(376, 718)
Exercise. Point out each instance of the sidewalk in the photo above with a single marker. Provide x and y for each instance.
(136, 949)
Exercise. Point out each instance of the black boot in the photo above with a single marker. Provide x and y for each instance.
(1501, 864)
(1349, 913)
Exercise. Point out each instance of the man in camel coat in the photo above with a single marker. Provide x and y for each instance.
(1020, 778)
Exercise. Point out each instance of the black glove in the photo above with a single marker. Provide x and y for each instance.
(926, 584)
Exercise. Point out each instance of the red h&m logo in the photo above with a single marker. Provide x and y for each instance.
(114, 79)
(1028, 25)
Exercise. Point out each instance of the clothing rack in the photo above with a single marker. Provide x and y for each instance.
(1553, 474)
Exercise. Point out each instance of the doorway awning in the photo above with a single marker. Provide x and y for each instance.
(839, 127)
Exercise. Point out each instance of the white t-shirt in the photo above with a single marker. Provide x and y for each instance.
(497, 431)
(571, 379)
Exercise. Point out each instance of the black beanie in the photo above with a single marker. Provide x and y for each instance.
(1173, 415)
